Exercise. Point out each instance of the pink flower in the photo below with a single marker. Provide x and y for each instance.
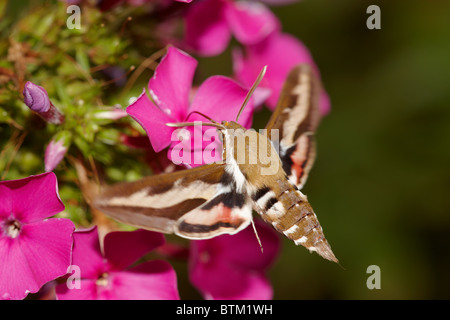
(210, 24)
(233, 267)
(33, 249)
(280, 52)
(36, 98)
(56, 150)
(170, 87)
(108, 276)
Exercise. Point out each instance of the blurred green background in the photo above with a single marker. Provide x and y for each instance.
(381, 182)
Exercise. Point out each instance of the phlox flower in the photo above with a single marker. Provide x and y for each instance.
(233, 266)
(170, 89)
(280, 52)
(33, 249)
(107, 275)
(211, 23)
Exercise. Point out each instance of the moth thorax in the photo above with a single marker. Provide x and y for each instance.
(251, 151)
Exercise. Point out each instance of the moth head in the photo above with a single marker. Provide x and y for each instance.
(231, 125)
(229, 136)
(229, 128)
(212, 123)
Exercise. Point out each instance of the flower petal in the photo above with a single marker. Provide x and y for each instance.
(207, 31)
(40, 253)
(258, 287)
(252, 286)
(30, 199)
(240, 258)
(123, 248)
(238, 284)
(87, 254)
(153, 120)
(250, 256)
(250, 21)
(195, 146)
(152, 280)
(268, 52)
(242, 248)
(171, 83)
(6, 199)
(221, 98)
(87, 291)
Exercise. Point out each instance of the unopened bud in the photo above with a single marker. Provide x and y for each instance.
(56, 150)
(36, 98)
(111, 113)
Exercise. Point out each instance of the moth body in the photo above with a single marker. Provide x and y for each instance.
(260, 171)
(274, 196)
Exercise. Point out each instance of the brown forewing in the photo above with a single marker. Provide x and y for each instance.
(146, 203)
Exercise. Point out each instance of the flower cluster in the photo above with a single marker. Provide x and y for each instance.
(259, 32)
(170, 89)
(64, 91)
(35, 250)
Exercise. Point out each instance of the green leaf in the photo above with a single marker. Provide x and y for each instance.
(82, 59)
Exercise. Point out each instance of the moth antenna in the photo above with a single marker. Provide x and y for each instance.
(257, 237)
(203, 115)
(191, 124)
(252, 89)
(124, 24)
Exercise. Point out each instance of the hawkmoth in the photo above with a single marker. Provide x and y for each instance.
(218, 198)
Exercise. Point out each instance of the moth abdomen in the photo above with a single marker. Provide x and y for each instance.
(291, 214)
(306, 230)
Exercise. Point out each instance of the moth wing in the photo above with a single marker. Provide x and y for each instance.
(159, 201)
(294, 121)
(194, 203)
(228, 212)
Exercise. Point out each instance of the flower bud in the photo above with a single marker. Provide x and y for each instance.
(56, 150)
(111, 113)
(36, 98)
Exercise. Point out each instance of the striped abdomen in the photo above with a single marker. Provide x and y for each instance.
(288, 210)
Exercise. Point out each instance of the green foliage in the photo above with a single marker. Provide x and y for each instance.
(72, 65)
(76, 68)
